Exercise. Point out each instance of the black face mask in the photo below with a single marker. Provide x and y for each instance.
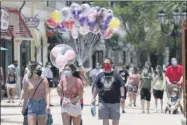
(15, 65)
(38, 72)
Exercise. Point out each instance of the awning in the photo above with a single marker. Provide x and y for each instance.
(17, 26)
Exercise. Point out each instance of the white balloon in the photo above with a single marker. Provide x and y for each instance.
(74, 33)
(84, 30)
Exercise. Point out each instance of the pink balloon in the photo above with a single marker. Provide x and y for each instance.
(56, 51)
(70, 54)
(61, 61)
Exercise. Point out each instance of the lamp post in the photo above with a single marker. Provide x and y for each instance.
(177, 17)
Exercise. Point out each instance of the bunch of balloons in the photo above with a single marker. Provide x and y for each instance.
(61, 55)
(84, 19)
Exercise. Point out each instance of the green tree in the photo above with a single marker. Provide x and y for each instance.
(139, 20)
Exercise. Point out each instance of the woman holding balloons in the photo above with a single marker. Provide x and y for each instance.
(70, 88)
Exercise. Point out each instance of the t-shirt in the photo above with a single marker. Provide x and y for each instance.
(109, 87)
(94, 74)
(174, 73)
(146, 81)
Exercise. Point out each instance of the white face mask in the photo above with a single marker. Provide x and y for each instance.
(173, 94)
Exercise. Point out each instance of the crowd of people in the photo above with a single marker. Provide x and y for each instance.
(112, 87)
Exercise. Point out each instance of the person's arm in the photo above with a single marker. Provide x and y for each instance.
(25, 95)
(80, 88)
(95, 89)
(121, 83)
(180, 81)
(47, 91)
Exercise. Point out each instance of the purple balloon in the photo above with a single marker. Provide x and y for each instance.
(61, 28)
(103, 27)
(76, 12)
(92, 25)
(83, 20)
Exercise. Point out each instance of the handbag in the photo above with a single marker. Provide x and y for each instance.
(26, 109)
(71, 109)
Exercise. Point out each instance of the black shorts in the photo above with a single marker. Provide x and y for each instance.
(50, 81)
(145, 94)
(158, 94)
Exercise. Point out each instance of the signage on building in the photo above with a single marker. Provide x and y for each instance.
(32, 22)
(4, 19)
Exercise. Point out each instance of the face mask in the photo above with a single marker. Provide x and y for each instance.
(173, 94)
(174, 63)
(68, 73)
(15, 65)
(107, 67)
(157, 70)
(38, 72)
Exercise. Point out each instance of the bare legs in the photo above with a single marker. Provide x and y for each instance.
(32, 120)
(130, 94)
(123, 106)
(13, 94)
(132, 98)
(134, 94)
(156, 105)
(114, 122)
(143, 106)
(41, 120)
(66, 119)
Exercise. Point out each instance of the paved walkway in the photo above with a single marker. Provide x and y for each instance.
(11, 114)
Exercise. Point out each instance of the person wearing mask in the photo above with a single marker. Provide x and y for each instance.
(132, 86)
(18, 83)
(145, 88)
(174, 73)
(124, 75)
(42, 69)
(11, 83)
(36, 96)
(158, 87)
(49, 75)
(70, 89)
(94, 73)
(110, 89)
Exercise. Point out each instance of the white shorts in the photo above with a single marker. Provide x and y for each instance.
(72, 110)
(12, 86)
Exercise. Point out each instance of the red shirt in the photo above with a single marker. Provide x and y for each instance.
(174, 73)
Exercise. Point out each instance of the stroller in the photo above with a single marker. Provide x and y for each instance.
(174, 99)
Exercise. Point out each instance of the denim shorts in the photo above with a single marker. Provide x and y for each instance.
(37, 107)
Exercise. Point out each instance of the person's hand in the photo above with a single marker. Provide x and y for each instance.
(93, 101)
(65, 104)
(48, 108)
(23, 111)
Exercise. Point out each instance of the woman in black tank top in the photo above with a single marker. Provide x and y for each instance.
(11, 83)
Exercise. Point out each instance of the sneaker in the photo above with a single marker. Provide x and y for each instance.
(123, 111)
